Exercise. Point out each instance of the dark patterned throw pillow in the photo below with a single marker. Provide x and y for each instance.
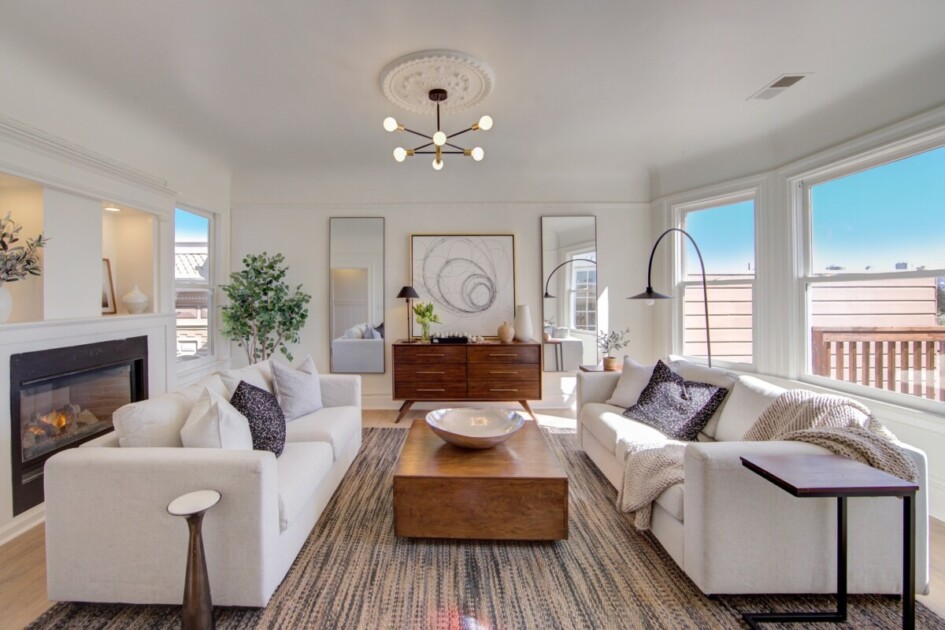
(675, 406)
(266, 420)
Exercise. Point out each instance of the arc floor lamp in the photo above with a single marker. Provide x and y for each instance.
(649, 295)
(573, 260)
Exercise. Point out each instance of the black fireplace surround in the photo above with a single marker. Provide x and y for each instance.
(62, 397)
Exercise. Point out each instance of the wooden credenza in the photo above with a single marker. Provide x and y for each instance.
(467, 372)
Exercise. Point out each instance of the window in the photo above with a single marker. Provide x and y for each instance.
(725, 233)
(193, 288)
(583, 291)
(875, 275)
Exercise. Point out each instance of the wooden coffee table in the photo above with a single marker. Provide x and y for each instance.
(514, 491)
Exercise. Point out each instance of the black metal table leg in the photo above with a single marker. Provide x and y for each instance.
(908, 562)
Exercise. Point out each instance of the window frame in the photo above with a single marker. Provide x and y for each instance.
(679, 211)
(588, 251)
(195, 366)
(800, 203)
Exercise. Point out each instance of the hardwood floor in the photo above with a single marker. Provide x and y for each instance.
(23, 560)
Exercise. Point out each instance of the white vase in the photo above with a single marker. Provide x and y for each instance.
(135, 301)
(6, 304)
(523, 323)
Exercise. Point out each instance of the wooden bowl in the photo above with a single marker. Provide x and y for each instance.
(475, 428)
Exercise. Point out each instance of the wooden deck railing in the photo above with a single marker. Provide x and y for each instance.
(898, 359)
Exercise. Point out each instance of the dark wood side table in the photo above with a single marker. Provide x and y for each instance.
(835, 476)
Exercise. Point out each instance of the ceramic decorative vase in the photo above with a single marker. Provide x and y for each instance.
(6, 304)
(506, 332)
(135, 301)
(611, 364)
(523, 323)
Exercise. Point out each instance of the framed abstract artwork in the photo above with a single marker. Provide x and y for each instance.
(469, 278)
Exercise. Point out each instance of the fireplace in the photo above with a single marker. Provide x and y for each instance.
(62, 397)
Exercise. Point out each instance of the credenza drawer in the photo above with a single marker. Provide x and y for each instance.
(500, 372)
(504, 353)
(430, 372)
(504, 391)
(426, 353)
(430, 391)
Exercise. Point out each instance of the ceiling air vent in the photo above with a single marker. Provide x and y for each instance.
(777, 86)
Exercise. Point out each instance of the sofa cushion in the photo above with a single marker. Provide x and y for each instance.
(334, 425)
(748, 399)
(266, 420)
(633, 380)
(704, 374)
(297, 389)
(613, 430)
(677, 407)
(672, 501)
(301, 469)
(214, 423)
(257, 374)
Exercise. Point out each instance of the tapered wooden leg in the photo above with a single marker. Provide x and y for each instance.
(404, 408)
(198, 606)
(524, 403)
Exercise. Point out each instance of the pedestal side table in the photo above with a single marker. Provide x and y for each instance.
(198, 605)
(834, 476)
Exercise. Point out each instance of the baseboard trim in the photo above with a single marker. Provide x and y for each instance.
(22, 523)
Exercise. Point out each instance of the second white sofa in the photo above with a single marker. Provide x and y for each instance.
(730, 530)
(109, 537)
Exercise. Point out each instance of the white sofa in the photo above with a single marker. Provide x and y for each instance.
(109, 537)
(733, 532)
(356, 356)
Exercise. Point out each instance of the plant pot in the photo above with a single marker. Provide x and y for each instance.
(611, 364)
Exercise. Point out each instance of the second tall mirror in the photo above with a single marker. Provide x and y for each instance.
(356, 299)
(569, 278)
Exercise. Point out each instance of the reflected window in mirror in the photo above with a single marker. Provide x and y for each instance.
(356, 295)
(570, 305)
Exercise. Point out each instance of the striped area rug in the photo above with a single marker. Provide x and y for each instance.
(354, 573)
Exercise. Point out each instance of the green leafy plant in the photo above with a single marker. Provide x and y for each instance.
(423, 313)
(264, 313)
(17, 261)
(614, 340)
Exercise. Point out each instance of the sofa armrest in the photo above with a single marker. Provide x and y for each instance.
(110, 538)
(595, 387)
(733, 516)
(340, 390)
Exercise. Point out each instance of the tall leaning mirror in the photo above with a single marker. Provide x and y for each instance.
(569, 277)
(356, 294)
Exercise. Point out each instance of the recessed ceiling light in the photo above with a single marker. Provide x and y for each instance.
(112, 209)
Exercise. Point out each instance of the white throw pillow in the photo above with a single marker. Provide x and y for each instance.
(633, 380)
(154, 422)
(297, 390)
(215, 423)
(257, 374)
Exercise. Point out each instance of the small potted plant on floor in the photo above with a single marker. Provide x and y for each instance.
(609, 342)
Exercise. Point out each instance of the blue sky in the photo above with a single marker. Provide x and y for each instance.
(190, 227)
(894, 213)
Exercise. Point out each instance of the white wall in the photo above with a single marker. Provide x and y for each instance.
(300, 232)
(72, 276)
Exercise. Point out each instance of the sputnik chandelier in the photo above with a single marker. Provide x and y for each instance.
(421, 82)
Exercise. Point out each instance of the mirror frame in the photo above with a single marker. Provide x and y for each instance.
(545, 276)
(381, 290)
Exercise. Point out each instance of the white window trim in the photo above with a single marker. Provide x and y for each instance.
(678, 211)
(188, 371)
(571, 252)
(858, 156)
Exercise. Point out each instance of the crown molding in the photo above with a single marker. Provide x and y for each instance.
(36, 139)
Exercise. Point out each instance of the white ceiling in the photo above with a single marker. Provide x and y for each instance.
(587, 91)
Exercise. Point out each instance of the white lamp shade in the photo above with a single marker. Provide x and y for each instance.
(439, 138)
(485, 123)
(477, 154)
(390, 123)
(437, 165)
(400, 154)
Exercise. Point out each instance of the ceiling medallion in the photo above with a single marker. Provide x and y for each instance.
(436, 81)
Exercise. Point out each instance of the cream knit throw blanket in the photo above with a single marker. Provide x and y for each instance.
(841, 425)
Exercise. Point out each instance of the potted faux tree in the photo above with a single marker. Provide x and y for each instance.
(264, 313)
(608, 342)
(425, 316)
(17, 262)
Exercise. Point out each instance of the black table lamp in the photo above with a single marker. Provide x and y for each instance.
(649, 295)
(548, 281)
(408, 293)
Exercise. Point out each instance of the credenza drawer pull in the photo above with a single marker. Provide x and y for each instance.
(503, 354)
(430, 372)
(496, 389)
(503, 372)
(428, 389)
(430, 354)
